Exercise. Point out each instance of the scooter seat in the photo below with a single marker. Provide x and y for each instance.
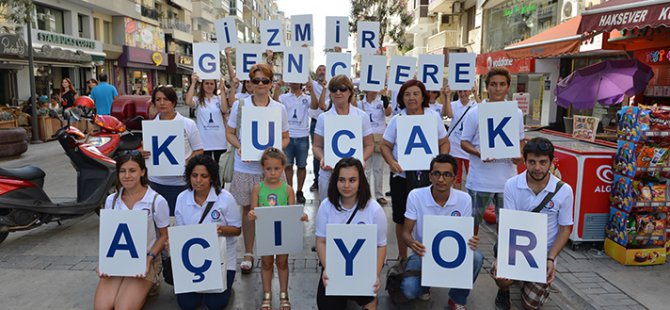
(130, 142)
(25, 173)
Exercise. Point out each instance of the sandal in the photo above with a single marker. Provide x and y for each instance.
(267, 301)
(247, 265)
(284, 304)
(382, 201)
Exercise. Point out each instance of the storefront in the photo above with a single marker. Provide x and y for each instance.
(143, 62)
(180, 68)
(658, 90)
(12, 51)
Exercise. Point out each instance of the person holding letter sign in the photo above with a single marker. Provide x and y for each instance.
(438, 199)
(210, 111)
(349, 202)
(412, 100)
(533, 189)
(487, 177)
(457, 110)
(205, 202)
(272, 191)
(377, 108)
(133, 193)
(249, 173)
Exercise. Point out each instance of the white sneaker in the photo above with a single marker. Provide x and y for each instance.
(425, 296)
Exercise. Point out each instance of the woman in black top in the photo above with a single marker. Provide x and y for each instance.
(67, 93)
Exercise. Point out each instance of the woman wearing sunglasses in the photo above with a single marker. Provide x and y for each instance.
(210, 111)
(341, 93)
(164, 99)
(249, 173)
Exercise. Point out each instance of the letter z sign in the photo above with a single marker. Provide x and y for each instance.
(500, 128)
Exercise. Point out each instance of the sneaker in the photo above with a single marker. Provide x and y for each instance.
(503, 300)
(387, 194)
(314, 187)
(455, 306)
(382, 201)
(300, 198)
(425, 296)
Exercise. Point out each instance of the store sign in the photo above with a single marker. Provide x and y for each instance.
(11, 44)
(185, 60)
(520, 10)
(654, 56)
(65, 41)
(500, 59)
(142, 35)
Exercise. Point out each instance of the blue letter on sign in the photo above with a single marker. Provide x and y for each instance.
(156, 150)
(337, 32)
(211, 66)
(430, 70)
(524, 249)
(225, 28)
(277, 233)
(297, 63)
(349, 256)
(248, 60)
(130, 246)
(459, 72)
(498, 131)
(254, 136)
(436, 249)
(400, 74)
(423, 143)
(370, 80)
(305, 34)
(335, 65)
(336, 149)
(273, 35)
(199, 272)
(368, 36)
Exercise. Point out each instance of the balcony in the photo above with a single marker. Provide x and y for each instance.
(203, 9)
(203, 36)
(149, 12)
(416, 51)
(184, 4)
(442, 6)
(421, 22)
(444, 39)
(179, 30)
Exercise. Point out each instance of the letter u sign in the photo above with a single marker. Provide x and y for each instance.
(261, 129)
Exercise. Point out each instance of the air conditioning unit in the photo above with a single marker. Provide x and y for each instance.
(457, 8)
(569, 9)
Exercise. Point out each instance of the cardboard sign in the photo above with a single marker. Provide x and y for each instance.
(246, 56)
(279, 230)
(448, 261)
(523, 100)
(585, 127)
(123, 242)
(402, 70)
(351, 253)
(367, 40)
(431, 71)
(343, 138)
(337, 32)
(296, 65)
(261, 129)
(207, 59)
(272, 35)
(197, 263)
(337, 63)
(302, 28)
(417, 141)
(373, 73)
(226, 32)
(165, 141)
(462, 71)
(522, 246)
(499, 130)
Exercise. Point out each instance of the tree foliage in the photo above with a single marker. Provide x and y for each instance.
(393, 17)
(16, 12)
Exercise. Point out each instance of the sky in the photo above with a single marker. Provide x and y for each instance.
(319, 10)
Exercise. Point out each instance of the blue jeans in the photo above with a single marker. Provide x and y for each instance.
(297, 151)
(211, 300)
(481, 200)
(411, 286)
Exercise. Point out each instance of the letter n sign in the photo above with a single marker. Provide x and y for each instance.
(123, 242)
(343, 138)
(522, 246)
(500, 129)
(417, 141)
(351, 253)
(165, 141)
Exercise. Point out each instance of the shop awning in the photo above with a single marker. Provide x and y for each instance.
(625, 14)
(558, 40)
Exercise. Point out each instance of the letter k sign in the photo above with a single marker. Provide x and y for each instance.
(163, 148)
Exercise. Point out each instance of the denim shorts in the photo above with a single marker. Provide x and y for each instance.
(296, 152)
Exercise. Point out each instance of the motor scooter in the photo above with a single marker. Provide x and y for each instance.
(111, 136)
(23, 203)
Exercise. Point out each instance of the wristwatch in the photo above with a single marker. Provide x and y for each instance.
(153, 256)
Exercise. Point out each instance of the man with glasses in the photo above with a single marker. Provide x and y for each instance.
(438, 199)
(537, 190)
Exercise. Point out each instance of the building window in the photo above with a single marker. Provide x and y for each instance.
(49, 19)
(107, 29)
(96, 28)
(470, 13)
(523, 19)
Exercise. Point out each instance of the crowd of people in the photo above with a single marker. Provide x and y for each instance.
(345, 191)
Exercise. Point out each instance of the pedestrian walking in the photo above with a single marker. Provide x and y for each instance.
(103, 95)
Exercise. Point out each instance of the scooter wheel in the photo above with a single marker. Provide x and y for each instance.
(3, 236)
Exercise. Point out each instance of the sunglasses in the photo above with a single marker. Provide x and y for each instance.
(334, 89)
(264, 81)
(446, 174)
(132, 153)
(542, 146)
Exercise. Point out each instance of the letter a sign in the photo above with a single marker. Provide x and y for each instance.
(417, 141)
(500, 130)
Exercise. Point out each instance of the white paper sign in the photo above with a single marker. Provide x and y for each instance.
(462, 71)
(226, 32)
(523, 99)
(522, 246)
(338, 63)
(351, 253)
(203, 267)
(206, 61)
(499, 130)
(403, 69)
(343, 138)
(246, 56)
(337, 32)
(123, 242)
(431, 71)
(272, 35)
(448, 261)
(367, 40)
(417, 141)
(302, 30)
(296, 65)
(165, 141)
(261, 129)
(373, 72)
(279, 230)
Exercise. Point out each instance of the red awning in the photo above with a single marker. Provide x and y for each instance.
(625, 14)
(558, 40)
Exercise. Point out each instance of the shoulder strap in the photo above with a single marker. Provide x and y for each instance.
(153, 205)
(239, 117)
(116, 197)
(352, 215)
(548, 197)
(204, 214)
(452, 128)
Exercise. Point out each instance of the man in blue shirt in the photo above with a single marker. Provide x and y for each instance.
(103, 95)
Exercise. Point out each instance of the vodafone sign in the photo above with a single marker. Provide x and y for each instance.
(500, 59)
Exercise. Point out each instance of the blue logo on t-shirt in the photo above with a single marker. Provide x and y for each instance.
(456, 213)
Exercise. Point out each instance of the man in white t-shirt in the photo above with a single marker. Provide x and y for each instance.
(487, 177)
(377, 108)
(525, 192)
(456, 110)
(438, 199)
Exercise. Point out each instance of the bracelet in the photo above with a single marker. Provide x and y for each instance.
(153, 256)
(550, 259)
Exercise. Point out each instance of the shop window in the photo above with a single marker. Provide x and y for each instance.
(49, 19)
(523, 19)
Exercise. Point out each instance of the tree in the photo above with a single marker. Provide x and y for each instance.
(16, 12)
(393, 18)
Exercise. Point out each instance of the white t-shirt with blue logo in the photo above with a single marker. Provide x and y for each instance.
(420, 202)
(297, 108)
(371, 214)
